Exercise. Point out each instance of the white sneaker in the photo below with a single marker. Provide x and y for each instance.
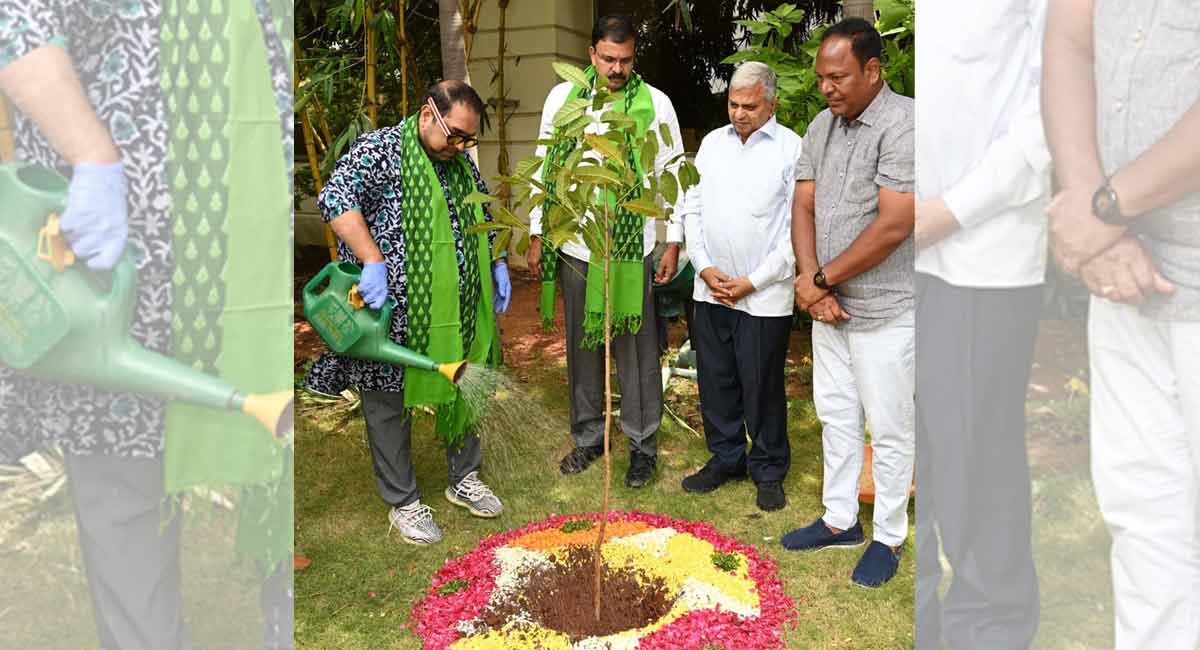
(415, 523)
(472, 494)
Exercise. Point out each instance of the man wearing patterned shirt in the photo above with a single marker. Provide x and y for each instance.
(852, 232)
(395, 201)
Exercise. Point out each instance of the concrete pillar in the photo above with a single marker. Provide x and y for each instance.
(537, 32)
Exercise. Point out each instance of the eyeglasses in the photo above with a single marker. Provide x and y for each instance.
(454, 139)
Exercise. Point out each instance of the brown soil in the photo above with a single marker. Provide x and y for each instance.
(560, 598)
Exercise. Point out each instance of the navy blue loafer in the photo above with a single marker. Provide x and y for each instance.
(877, 566)
(817, 536)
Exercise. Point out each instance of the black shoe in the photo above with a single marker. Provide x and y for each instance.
(877, 565)
(641, 469)
(579, 458)
(817, 536)
(770, 496)
(710, 477)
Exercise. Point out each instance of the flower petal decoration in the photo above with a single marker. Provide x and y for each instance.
(720, 593)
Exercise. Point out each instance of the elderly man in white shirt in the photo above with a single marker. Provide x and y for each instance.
(738, 222)
(982, 185)
(636, 352)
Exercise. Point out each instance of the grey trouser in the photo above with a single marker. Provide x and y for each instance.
(130, 552)
(389, 429)
(636, 356)
(973, 489)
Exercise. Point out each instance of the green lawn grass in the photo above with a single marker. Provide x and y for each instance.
(45, 601)
(360, 588)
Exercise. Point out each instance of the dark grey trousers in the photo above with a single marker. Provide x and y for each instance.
(740, 360)
(638, 370)
(389, 430)
(974, 352)
(131, 556)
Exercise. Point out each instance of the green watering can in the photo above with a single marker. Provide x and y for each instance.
(335, 309)
(70, 324)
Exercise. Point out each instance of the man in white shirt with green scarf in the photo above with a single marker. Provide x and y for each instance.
(635, 339)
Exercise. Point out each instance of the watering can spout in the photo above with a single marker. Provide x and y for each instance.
(273, 410)
(453, 371)
(145, 372)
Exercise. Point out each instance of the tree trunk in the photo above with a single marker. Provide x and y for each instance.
(598, 558)
(372, 53)
(454, 51)
(310, 150)
(859, 8)
(402, 39)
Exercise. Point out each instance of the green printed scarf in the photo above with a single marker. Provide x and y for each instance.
(626, 271)
(443, 323)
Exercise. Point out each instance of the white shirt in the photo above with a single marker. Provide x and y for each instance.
(739, 218)
(983, 151)
(664, 113)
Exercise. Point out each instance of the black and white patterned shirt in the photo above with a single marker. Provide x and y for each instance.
(367, 179)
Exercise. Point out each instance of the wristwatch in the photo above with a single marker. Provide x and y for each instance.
(1106, 205)
(819, 280)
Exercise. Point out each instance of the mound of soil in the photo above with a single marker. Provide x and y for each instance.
(559, 597)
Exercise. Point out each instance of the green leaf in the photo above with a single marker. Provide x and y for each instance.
(571, 73)
(478, 197)
(596, 174)
(649, 151)
(528, 167)
(618, 120)
(505, 216)
(570, 112)
(563, 234)
(607, 148)
(739, 57)
(501, 243)
(669, 187)
(593, 236)
(486, 226)
(576, 128)
(665, 132)
(644, 206)
(522, 244)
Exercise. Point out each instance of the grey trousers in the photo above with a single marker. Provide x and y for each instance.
(638, 369)
(131, 556)
(389, 430)
(973, 491)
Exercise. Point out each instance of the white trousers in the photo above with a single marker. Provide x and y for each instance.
(1145, 423)
(868, 373)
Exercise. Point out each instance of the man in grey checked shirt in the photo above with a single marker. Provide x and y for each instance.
(1122, 114)
(852, 226)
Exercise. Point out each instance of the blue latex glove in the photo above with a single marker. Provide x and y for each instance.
(95, 221)
(372, 284)
(503, 287)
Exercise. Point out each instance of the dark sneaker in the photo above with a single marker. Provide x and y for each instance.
(770, 496)
(817, 536)
(877, 565)
(641, 469)
(579, 458)
(711, 477)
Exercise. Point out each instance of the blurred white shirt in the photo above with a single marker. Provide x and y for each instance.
(980, 143)
(739, 218)
(664, 113)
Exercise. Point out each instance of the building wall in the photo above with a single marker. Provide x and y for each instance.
(537, 32)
